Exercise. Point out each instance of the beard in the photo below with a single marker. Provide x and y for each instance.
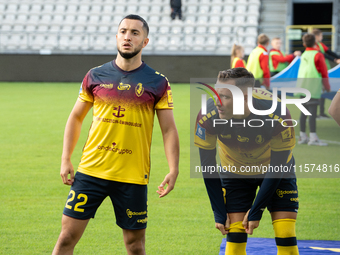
(129, 55)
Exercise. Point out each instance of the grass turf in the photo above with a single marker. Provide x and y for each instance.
(32, 195)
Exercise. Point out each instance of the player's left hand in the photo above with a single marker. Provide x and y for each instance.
(170, 180)
(337, 61)
(250, 225)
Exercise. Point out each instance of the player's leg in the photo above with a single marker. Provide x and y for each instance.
(237, 236)
(313, 138)
(134, 241)
(71, 231)
(130, 206)
(283, 208)
(239, 194)
(285, 236)
(86, 195)
(303, 138)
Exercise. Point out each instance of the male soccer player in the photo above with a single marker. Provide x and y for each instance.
(124, 94)
(277, 59)
(334, 108)
(312, 75)
(329, 56)
(259, 142)
(257, 62)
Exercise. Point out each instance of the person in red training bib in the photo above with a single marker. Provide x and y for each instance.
(313, 76)
(237, 55)
(277, 58)
(329, 56)
(258, 62)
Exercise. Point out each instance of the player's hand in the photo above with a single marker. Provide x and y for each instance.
(223, 228)
(65, 170)
(249, 226)
(170, 180)
(337, 61)
(297, 53)
(325, 90)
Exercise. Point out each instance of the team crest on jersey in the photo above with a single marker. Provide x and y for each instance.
(200, 132)
(107, 86)
(259, 139)
(139, 89)
(242, 139)
(123, 86)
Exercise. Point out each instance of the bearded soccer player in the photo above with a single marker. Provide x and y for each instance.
(124, 94)
(246, 142)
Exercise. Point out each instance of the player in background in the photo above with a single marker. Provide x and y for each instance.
(334, 108)
(124, 94)
(277, 58)
(257, 62)
(237, 55)
(232, 193)
(329, 56)
(312, 75)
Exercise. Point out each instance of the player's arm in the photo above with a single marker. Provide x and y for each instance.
(264, 60)
(239, 63)
(330, 55)
(71, 136)
(282, 59)
(213, 185)
(268, 187)
(171, 147)
(334, 108)
(321, 67)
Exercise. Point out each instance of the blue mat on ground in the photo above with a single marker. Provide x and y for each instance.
(267, 246)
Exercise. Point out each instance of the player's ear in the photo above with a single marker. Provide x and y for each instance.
(145, 42)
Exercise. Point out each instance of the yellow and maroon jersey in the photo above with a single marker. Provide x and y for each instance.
(244, 144)
(124, 104)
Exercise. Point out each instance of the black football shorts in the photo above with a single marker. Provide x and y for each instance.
(240, 194)
(129, 200)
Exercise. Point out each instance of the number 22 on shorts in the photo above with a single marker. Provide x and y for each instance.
(76, 207)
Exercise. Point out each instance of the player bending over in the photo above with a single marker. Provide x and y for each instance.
(237, 208)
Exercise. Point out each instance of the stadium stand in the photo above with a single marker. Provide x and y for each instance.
(89, 26)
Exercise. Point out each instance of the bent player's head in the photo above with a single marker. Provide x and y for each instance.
(239, 77)
(263, 40)
(308, 40)
(276, 43)
(132, 36)
(318, 35)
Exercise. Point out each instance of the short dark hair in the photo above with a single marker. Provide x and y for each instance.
(240, 75)
(262, 39)
(308, 39)
(137, 17)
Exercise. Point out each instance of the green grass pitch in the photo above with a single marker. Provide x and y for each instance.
(32, 196)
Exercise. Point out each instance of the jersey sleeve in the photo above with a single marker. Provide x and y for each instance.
(324, 47)
(205, 137)
(283, 138)
(239, 63)
(166, 101)
(84, 92)
(264, 63)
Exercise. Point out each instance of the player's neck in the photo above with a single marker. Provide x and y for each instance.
(244, 116)
(128, 64)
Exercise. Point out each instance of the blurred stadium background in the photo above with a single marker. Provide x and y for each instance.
(38, 36)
